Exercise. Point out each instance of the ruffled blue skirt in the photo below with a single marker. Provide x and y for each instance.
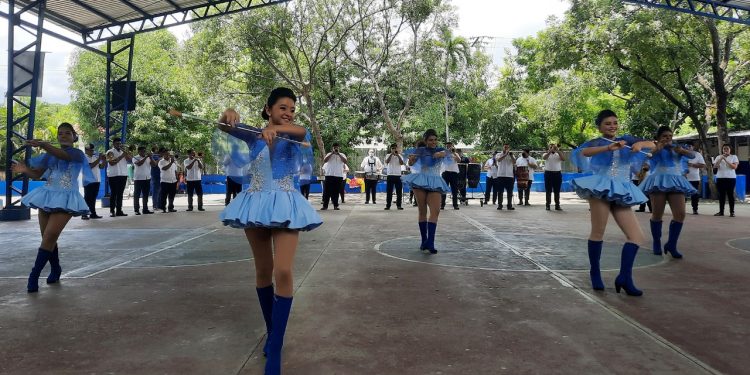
(667, 183)
(51, 200)
(619, 191)
(427, 182)
(274, 209)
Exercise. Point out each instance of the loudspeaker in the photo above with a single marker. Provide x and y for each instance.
(120, 91)
(472, 174)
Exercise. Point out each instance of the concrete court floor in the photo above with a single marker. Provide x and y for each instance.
(507, 294)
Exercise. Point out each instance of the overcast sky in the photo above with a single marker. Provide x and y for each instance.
(501, 20)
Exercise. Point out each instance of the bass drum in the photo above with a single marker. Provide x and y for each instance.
(522, 176)
(473, 172)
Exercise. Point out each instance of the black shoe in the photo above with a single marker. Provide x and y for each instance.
(112, 214)
(526, 204)
(172, 210)
(121, 214)
(366, 202)
(442, 208)
(719, 214)
(189, 209)
(95, 217)
(546, 207)
(164, 211)
(558, 208)
(387, 208)
(511, 208)
(201, 209)
(373, 202)
(499, 207)
(336, 208)
(731, 214)
(137, 213)
(695, 212)
(456, 208)
(323, 208)
(399, 208)
(147, 212)
(84, 217)
(640, 210)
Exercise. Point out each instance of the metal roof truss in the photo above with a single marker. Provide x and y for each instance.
(737, 11)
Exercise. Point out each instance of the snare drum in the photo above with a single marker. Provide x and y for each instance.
(359, 174)
(522, 176)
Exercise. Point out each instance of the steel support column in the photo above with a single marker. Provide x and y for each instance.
(118, 70)
(20, 114)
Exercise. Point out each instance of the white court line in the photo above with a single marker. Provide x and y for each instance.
(151, 253)
(612, 310)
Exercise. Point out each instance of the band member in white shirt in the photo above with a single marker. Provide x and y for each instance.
(450, 175)
(695, 167)
(394, 162)
(168, 168)
(90, 191)
(142, 180)
(117, 173)
(491, 185)
(194, 176)
(334, 177)
(372, 166)
(553, 175)
(726, 178)
(234, 168)
(504, 176)
(525, 163)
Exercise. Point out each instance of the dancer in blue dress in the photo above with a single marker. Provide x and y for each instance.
(609, 190)
(428, 186)
(272, 211)
(58, 200)
(667, 183)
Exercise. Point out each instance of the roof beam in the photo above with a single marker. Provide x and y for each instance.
(721, 10)
(95, 11)
(58, 36)
(135, 8)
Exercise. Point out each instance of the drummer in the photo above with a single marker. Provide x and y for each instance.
(372, 166)
(463, 160)
(525, 165)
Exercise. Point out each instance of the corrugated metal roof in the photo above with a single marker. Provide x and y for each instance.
(98, 20)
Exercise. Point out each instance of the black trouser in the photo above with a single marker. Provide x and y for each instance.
(141, 190)
(90, 192)
(233, 188)
(552, 182)
(370, 189)
(524, 192)
(451, 178)
(642, 207)
(155, 192)
(116, 191)
(491, 187)
(726, 192)
(332, 187)
(391, 183)
(506, 184)
(197, 188)
(695, 198)
(168, 191)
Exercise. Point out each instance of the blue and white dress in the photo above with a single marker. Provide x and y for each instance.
(428, 168)
(272, 200)
(667, 174)
(60, 192)
(610, 179)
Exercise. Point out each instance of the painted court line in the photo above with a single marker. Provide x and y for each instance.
(612, 310)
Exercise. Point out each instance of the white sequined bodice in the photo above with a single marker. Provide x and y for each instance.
(65, 178)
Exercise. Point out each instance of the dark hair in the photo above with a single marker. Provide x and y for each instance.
(69, 126)
(527, 150)
(189, 150)
(274, 96)
(116, 139)
(162, 150)
(663, 129)
(393, 145)
(335, 144)
(90, 146)
(141, 148)
(602, 115)
(154, 149)
(429, 133)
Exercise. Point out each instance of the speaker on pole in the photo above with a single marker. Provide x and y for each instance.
(122, 90)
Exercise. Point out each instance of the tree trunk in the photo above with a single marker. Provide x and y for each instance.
(314, 123)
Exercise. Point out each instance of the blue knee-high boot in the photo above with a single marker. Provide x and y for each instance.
(595, 253)
(281, 308)
(56, 270)
(656, 234)
(674, 234)
(625, 279)
(42, 257)
(265, 297)
(423, 233)
(430, 245)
